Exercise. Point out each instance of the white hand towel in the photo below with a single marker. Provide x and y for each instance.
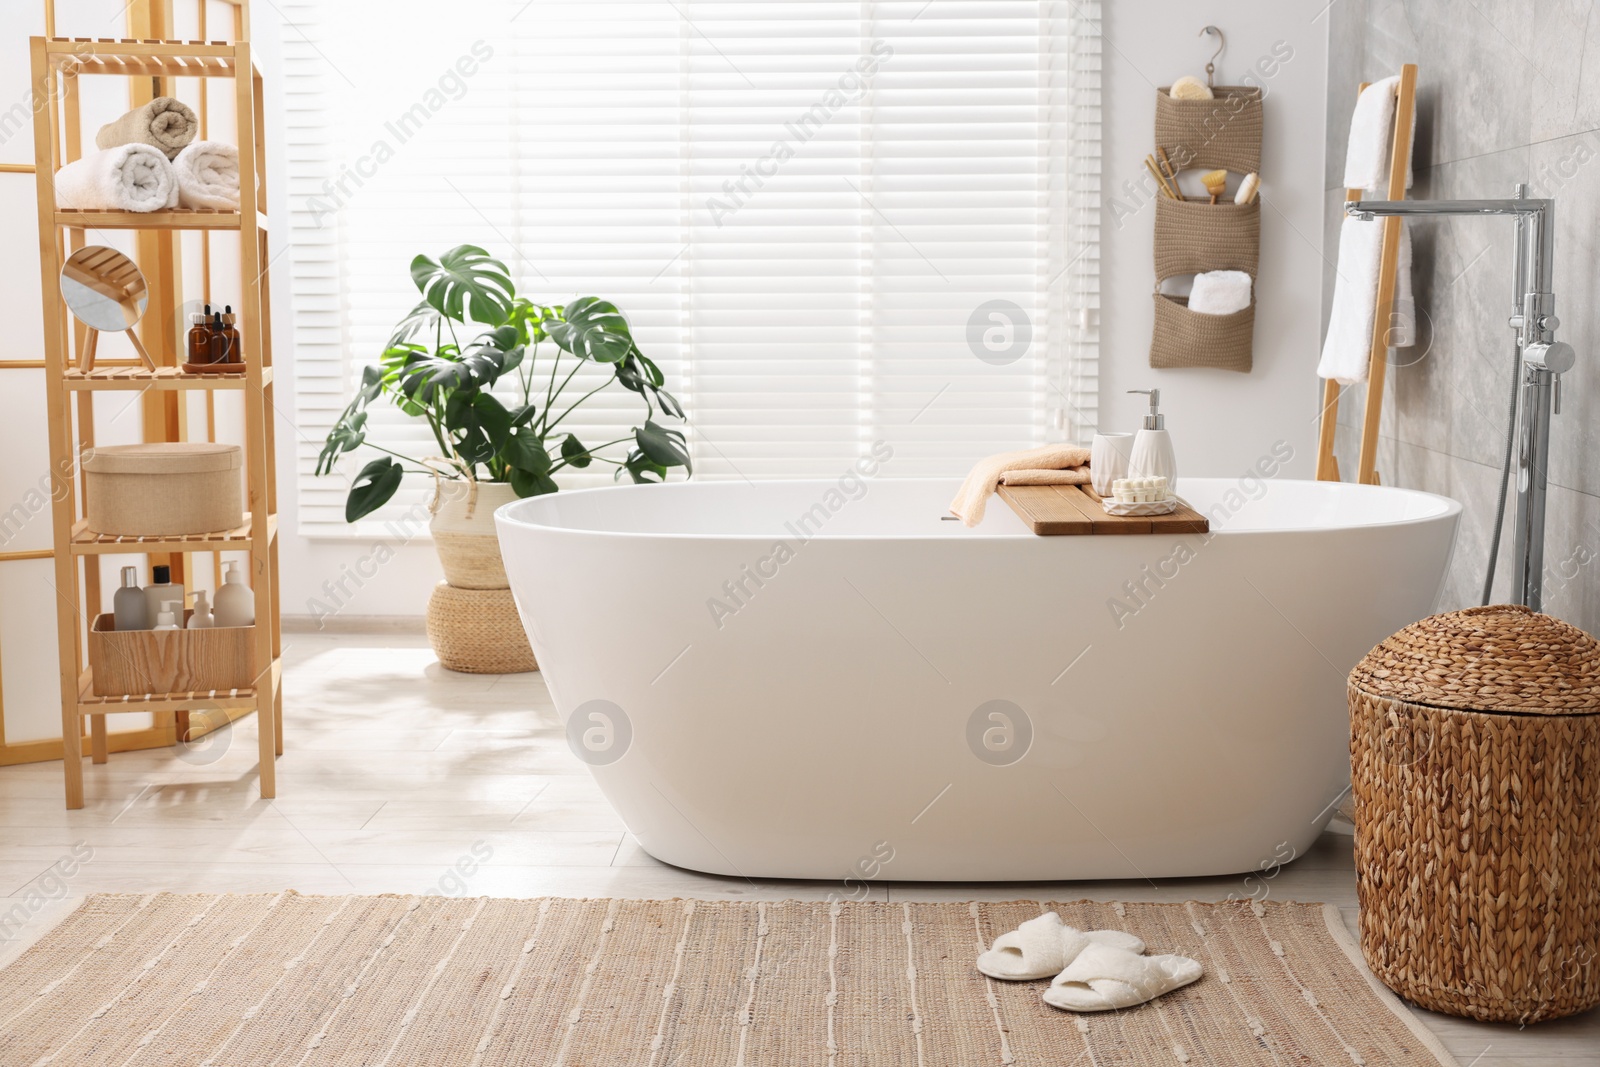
(1346, 350)
(1366, 160)
(133, 177)
(208, 176)
(1220, 292)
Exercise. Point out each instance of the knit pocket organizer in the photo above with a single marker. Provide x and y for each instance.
(1193, 236)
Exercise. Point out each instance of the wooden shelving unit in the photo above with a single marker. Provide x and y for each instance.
(57, 65)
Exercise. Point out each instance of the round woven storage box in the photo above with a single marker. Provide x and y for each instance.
(1475, 765)
(478, 631)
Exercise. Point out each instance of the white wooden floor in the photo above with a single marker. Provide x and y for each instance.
(401, 777)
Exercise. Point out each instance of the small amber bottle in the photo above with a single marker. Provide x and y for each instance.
(199, 339)
(230, 330)
(219, 341)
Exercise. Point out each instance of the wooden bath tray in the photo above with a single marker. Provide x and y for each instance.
(1074, 510)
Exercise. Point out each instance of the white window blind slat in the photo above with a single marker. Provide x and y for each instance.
(802, 205)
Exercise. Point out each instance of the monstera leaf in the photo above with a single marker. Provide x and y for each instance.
(466, 279)
(591, 328)
(350, 432)
(373, 488)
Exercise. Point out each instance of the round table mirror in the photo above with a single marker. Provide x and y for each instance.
(104, 288)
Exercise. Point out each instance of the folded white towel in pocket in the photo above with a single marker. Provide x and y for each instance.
(1220, 292)
(132, 177)
(208, 176)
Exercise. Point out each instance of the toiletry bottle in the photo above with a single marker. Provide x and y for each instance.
(220, 353)
(236, 604)
(199, 339)
(160, 590)
(165, 621)
(1153, 456)
(201, 618)
(129, 607)
(230, 331)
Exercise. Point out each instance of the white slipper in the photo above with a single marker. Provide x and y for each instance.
(1042, 947)
(1103, 978)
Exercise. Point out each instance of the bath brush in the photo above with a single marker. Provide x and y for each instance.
(1216, 183)
(1189, 87)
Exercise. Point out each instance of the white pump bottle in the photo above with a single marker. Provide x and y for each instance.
(1153, 455)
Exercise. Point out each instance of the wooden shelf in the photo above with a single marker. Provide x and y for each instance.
(154, 59)
(151, 66)
(241, 699)
(237, 540)
(178, 218)
(141, 378)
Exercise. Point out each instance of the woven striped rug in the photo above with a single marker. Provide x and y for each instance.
(290, 979)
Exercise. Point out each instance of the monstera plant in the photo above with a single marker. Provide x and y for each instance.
(488, 371)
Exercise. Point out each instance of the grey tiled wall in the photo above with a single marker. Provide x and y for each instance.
(1509, 92)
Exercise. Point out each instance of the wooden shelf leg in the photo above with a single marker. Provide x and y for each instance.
(267, 731)
(97, 738)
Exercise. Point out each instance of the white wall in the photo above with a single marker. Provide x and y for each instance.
(1221, 421)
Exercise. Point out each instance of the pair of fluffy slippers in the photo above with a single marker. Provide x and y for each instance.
(1094, 970)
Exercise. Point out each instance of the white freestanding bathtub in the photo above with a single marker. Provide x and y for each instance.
(824, 680)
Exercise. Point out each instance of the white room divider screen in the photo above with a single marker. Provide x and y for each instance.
(830, 223)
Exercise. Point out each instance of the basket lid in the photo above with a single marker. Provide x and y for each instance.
(179, 457)
(1500, 658)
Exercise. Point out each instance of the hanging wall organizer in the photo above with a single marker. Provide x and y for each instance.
(1193, 235)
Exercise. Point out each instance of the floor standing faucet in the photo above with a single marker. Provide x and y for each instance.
(1544, 359)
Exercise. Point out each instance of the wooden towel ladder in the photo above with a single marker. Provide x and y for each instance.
(1378, 359)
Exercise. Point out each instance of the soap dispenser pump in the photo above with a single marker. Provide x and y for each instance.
(1153, 455)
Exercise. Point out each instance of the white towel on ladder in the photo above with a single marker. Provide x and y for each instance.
(1347, 348)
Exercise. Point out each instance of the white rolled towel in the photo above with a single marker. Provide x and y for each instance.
(208, 176)
(131, 177)
(1220, 292)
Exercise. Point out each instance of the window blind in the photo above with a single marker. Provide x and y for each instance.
(831, 223)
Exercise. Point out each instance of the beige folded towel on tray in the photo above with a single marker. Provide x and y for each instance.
(985, 478)
(133, 177)
(208, 176)
(1075, 476)
(164, 123)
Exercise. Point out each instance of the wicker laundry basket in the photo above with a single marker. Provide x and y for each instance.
(1475, 762)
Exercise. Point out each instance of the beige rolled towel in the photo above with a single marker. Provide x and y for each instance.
(984, 479)
(164, 123)
(1075, 476)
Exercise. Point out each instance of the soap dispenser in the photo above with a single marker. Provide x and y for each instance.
(201, 618)
(235, 603)
(1153, 455)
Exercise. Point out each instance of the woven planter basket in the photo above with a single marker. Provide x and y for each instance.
(478, 631)
(464, 536)
(1475, 765)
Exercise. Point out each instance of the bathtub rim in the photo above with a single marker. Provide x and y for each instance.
(505, 517)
